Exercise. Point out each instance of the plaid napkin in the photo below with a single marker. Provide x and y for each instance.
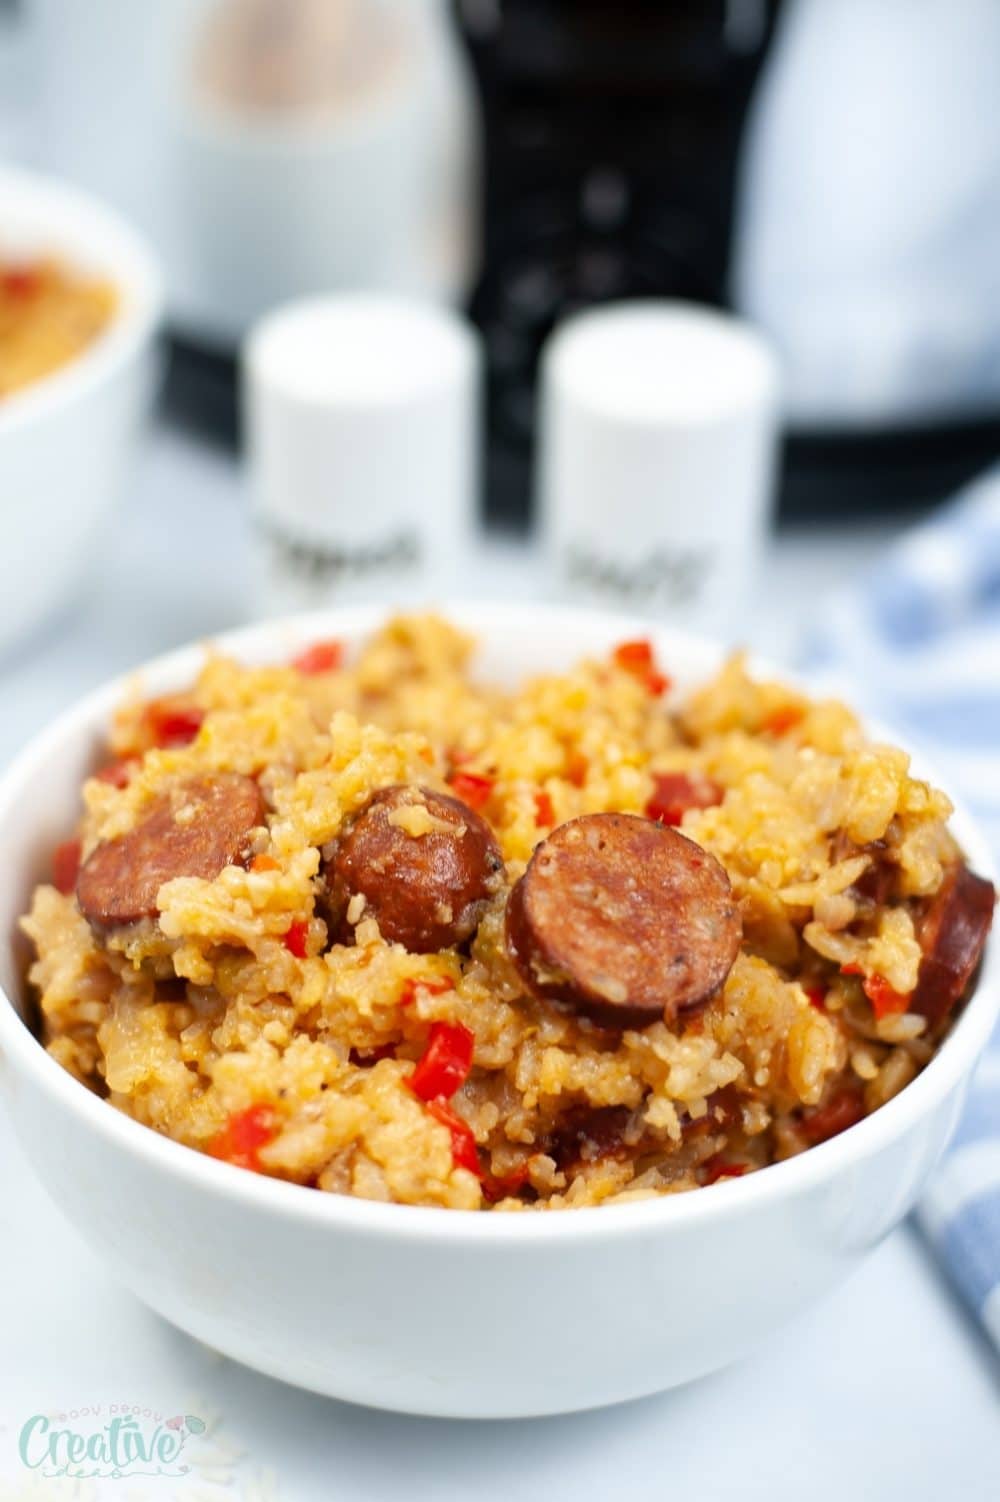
(920, 644)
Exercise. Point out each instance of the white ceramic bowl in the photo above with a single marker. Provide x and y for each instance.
(437, 1311)
(66, 440)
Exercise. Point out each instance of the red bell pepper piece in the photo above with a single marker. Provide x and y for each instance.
(675, 792)
(637, 658)
(172, 725)
(445, 1063)
(321, 657)
(577, 767)
(545, 815)
(780, 721)
(464, 1152)
(885, 1001)
(718, 1167)
(472, 788)
(296, 937)
(243, 1135)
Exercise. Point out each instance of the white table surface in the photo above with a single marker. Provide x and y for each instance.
(884, 1390)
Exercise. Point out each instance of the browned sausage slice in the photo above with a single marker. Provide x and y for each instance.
(424, 863)
(952, 937)
(623, 919)
(197, 828)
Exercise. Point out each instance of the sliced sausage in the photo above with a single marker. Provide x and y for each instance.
(197, 828)
(952, 936)
(624, 920)
(425, 864)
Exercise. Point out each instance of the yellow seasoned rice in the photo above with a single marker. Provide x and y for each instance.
(189, 1023)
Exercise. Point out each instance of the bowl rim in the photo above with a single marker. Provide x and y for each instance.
(276, 640)
(128, 262)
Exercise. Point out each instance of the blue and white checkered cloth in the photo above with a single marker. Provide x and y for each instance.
(920, 646)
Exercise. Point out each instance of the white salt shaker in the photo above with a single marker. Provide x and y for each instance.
(361, 414)
(657, 458)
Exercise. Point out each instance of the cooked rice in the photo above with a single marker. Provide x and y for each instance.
(188, 1022)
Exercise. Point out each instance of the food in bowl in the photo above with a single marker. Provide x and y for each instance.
(383, 930)
(49, 315)
(67, 438)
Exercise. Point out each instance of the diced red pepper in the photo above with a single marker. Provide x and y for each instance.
(464, 1152)
(817, 997)
(118, 773)
(21, 281)
(835, 1117)
(545, 814)
(472, 788)
(66, 866)
(577, 767)
(265, 863)
(171, 724)
(373, 1056)
(321, 657)
(503, 1186)
(445, 1063)
(780, 721)
(637, 658)
(886, 1002)
(243, 1135)
(719, 1167)
(296, 938)
(675, 792)
(435, 985)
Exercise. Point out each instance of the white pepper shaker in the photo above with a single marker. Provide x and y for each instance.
(656, 465)
(362, 415)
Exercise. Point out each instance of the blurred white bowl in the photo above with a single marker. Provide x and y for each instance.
(66, 440)
(449, 1312)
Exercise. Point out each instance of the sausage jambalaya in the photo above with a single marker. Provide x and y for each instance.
(375, 928)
